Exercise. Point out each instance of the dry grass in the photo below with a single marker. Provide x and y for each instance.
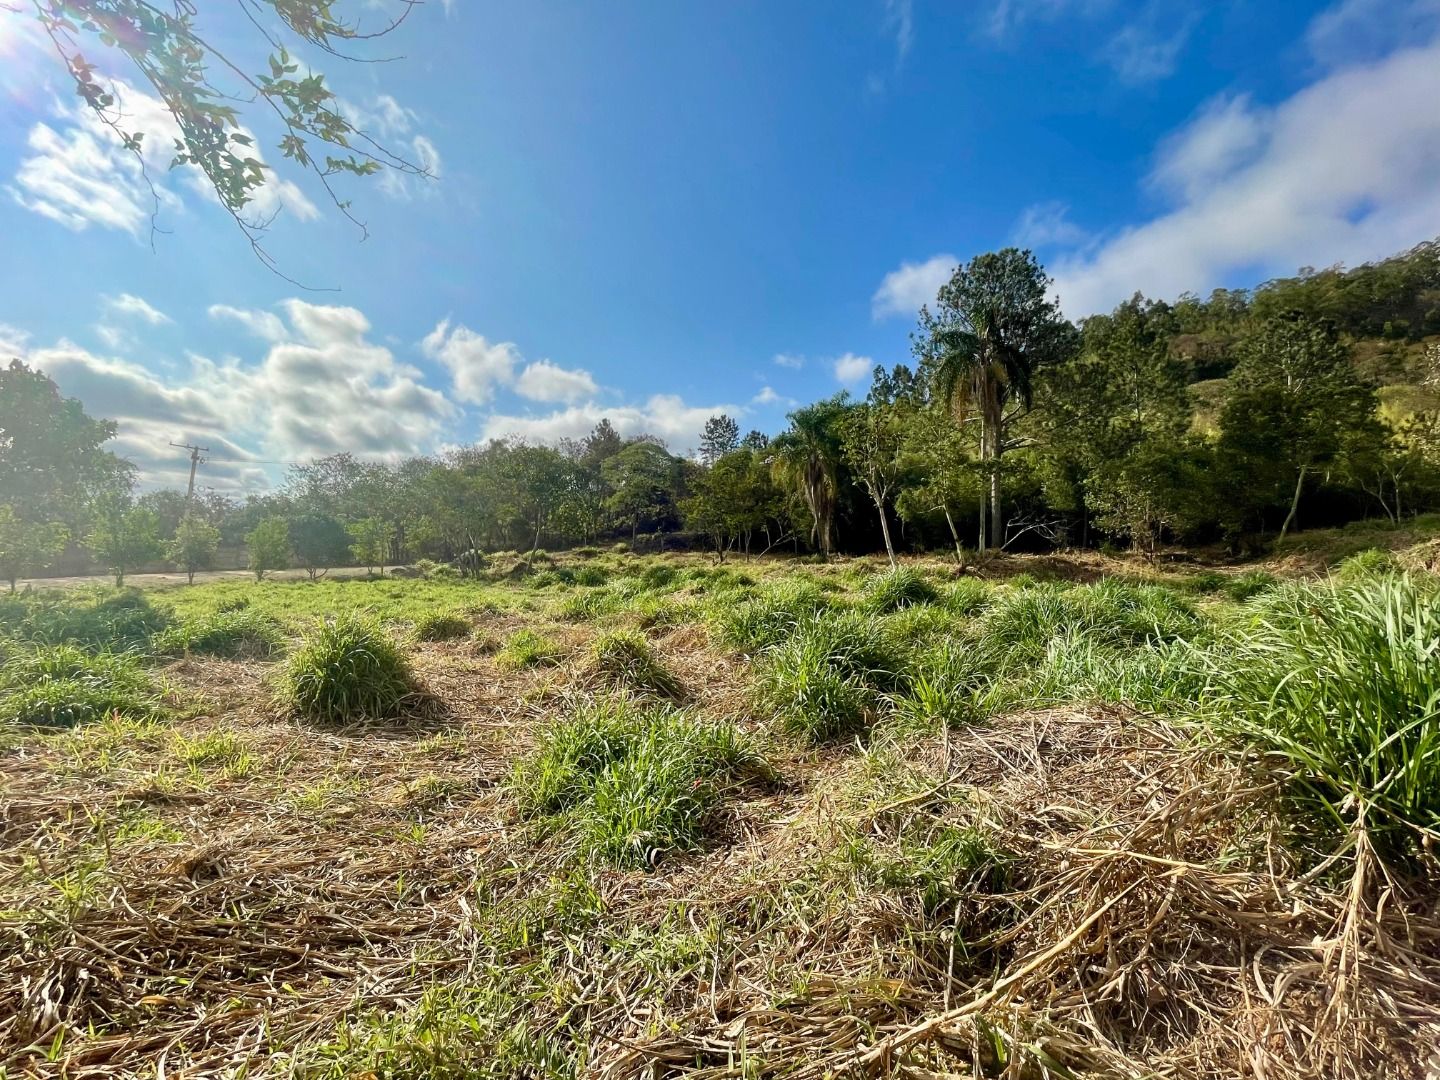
(236, 892)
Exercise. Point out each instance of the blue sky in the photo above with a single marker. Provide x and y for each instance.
(656, 211)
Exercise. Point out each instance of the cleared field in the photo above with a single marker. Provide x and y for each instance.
(627, 816)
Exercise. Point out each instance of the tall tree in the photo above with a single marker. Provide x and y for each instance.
(720, 437)
(52, 465)
(872, 439)
(644, 482)
(1295, 401)
(807, 458)
(994, 324)
(268, 545)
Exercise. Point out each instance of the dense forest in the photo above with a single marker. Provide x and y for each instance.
(1310, 400)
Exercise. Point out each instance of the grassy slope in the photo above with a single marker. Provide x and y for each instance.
(726, 889)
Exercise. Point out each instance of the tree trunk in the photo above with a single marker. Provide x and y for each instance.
(190, 577)
(955, 536)
(997, 533)
(885, 529)
(1294, 503)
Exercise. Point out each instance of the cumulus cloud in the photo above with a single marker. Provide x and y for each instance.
(78, 172)
(1344, 169)
(851, 368)
(905, 290)
(544, 381)
(476, 365)
(263, 324)
(769, 396)
(664, 415)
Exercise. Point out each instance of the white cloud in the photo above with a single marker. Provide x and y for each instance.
(114, 337)
(789, 360)
(1358, 30)
(903, 291)
(135, 307)
(1047, 225)
(1343, 170)
(664, 415)
(900, 22)
(322, 387)
(1148, 49)
(476, 366)
(80, 174)
(1007, 16)
(768, 396)
(851, 368)
(544, 381)
(263, 324)
(392, 125)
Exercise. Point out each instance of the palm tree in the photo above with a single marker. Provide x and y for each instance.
(806, 459)
(993, 325)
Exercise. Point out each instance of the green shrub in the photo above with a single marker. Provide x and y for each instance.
(442, 626)
(624, 659)
(1349, 697)
(526, 648)
(634, 782)
(898, 588)
(346, 671)
(235, 632)
(802, 689)
(591, 576)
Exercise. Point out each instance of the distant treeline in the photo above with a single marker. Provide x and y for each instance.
(1308, 400)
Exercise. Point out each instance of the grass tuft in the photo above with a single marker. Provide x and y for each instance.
(899, 588)
(442, 626)
(347, 670)
(633, 782)
(528, 648)
(64, 686)
(625, 660)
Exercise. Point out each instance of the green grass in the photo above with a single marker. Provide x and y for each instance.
(240, 632)
(103, 619)
(898, 588)
(1343, 684)
(346, 671)
(769, 618)
(441, 626)
(529, 648)
(633, 782)
(625, 660)
(65, 686)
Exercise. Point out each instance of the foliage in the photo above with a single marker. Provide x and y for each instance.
(194, 545)
(347, 670)
(370, 542)
(318, 542)
(898, 588)
(124, 536)
(64, 686)
(27, 546)
(269, 546)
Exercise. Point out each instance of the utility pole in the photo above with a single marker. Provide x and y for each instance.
(195, 452)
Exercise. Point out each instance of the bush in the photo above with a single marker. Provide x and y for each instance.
(1349, 697)
(441, 626)
(591, 576)
(223, 633)
(898, 588)
(346, 671)
(803, 690)
(62, 686)
(633, 782)
(526, 648)
(625, 659)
